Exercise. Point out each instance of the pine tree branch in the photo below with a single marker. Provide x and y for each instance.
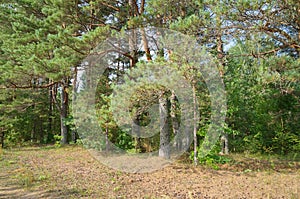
(142, 7)
(14, 85)
(110, 6)
(136, 8)
(252, 54)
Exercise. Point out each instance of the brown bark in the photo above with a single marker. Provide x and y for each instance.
(145, 44)
(2, 134)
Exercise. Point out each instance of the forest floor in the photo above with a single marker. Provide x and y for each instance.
(72, 172)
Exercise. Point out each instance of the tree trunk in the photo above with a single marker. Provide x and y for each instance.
(195, 125)
(224, 145)
(137, 132)
(164, 147)
(2, 138)
(224, 137)
(145, 45)
(50, 113)
(74, 133)
(41, 132)
(52, 101)
(106, 139)
(63, 114)
(175, 121)
(133, 60)
(33, 132)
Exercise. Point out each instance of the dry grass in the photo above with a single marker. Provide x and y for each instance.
(71, 172)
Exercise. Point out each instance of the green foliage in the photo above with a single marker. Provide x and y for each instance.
(261, 105)
(42, 43)
(57, 139)
(124, 141)
(212, 160)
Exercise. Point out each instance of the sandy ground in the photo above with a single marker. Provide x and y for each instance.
(72, 172)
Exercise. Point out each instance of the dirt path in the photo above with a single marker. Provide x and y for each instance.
(8, 189)
(72, 172)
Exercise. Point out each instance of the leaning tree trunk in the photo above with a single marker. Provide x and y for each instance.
(164, 146)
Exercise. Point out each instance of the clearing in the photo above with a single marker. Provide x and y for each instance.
(72, 172)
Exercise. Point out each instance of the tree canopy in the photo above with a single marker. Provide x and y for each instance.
(257, 44)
